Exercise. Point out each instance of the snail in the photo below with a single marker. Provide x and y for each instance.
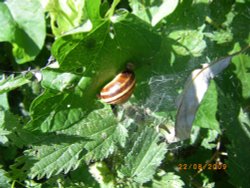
(118, 90)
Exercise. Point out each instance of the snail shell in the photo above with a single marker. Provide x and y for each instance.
(119, 89)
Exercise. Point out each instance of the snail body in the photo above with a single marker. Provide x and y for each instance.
(118, 90)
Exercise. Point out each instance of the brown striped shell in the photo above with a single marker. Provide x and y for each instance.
(118, 90)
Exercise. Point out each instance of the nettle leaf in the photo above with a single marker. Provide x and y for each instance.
(103, 131)
(25, 30)
(58, 153)
(52, 112)
(4, 179)
(242, 64)
(11, 130)
(187, 44)
(153, 11)
(169, 179)
(12, 82)
(5, 118)
(146, 155)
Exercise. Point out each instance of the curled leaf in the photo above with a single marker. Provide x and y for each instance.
(193, 93)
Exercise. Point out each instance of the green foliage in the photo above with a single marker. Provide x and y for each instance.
(54, 130)
(25, 30)
(4, 179)
(145, 156)
(153, 11)
(169, 179)
(11, 82)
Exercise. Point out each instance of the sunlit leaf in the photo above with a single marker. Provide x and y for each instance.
(242, 64)
(146, 155)
(169, 179)
(153, 11)
(187, 44)
(11, 82)
(102, 174)
(4, 179)
(25, 30)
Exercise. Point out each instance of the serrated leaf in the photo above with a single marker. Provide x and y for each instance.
(24, 29)
(193, 94)
(58, 153)
(52, 112)
(4, 179)
(103, 131)
(187, 44)
(153, 11)
(11, 82)
(242, 64)
(146, 155)
(7, 122)
(169, 179)
(12, 130)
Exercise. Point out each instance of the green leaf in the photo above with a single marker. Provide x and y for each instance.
(56, 112)
(4, 101)
(11, 82)
(11, 130)
(129, 39)
(59, 81)
(187, 44)
(66, 16)
(24, 28)
(209, 141)
(4, 179)
(3, 130)
(82, 177)
(221, 36)
(169, 179)
(103, 131)
(153, 11)
(6, 32)
(146, 155)
(102, 174)
(93, 11)
(88, 52)
(206, 114)
(235, 121)
(7, 122)
(238, 166)
(56, 154)
(242, 66)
